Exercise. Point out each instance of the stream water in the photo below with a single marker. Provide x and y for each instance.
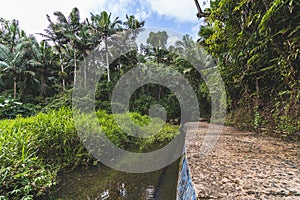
(103, 183)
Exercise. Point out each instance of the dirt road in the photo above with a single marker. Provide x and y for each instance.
(243, 165)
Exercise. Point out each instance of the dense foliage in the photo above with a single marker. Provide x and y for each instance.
(33, 150)
(35, 71)
(11, 108)
(39, 76)
(43, 72)
(257, 44)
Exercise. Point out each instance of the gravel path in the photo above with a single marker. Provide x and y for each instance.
(243, 165)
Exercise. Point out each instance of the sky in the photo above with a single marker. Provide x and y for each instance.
(177, 15)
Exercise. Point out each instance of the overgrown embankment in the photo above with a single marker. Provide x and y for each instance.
(33, 150)
(257, 46)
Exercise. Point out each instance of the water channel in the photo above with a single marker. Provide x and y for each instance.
(104, 183)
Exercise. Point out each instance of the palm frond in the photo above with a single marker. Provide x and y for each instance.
(3, 64)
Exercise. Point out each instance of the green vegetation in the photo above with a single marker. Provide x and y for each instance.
(38, 77)
(257, 45)
(39, 73)
(35, 149)
(10, 108)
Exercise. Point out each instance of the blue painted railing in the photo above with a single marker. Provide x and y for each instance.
(185, 188)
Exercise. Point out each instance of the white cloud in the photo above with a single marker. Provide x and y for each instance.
(195, 31)
(143, 12)
(181, 10)
(32, 13)
(118, 8)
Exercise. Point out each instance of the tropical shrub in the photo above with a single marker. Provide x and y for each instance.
(10, 108)
(33, 150)
(257, 46)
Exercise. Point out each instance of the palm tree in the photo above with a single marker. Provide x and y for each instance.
(12, 63)
(103, 26)
(10, 33)
(157, 44)
(69, 36)
(12, 51)
(133, 25)
(43, 60)
(185, 44)
(55, 34)
(86, 44)
(72, 28)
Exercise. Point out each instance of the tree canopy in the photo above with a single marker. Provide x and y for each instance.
(257, 45)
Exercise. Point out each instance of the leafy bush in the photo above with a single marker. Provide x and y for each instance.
(60, 100)
(11, 108)
(159, 139)
(34, 149)
(22, 174)
(57, 139)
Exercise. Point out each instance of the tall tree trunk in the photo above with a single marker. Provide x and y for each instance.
(84, 73)
(159, 92)
(15, 87)
(75, 67)
(63, 73)
(107, 61)
(43, 84)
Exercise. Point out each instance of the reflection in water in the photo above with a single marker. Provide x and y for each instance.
(150, 193)
(123, 191)
(104, 195)
(103, 183)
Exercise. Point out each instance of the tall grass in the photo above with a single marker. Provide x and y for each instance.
(23, 174)
(33, 150)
